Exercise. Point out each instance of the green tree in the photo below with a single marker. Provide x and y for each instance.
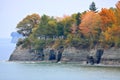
(26, 26)
(92, 7)
(78, 19)
(51, 27)
(68, 22)
(47, 26)
(60, 29)
(41, 30)
(39, 44)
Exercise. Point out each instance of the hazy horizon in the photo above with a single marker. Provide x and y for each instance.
(6, 48)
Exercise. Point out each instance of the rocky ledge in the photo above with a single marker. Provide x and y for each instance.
(109, 56)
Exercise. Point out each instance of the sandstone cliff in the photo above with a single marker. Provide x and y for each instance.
(110, 56)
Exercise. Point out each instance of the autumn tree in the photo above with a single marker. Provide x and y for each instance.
(117, 13)
(91, 26)
(111, 25)
(108, 18)
(80, 30)
(112, 35)
(118, 5)
(25, 27)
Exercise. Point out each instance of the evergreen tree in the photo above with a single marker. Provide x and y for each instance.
(78, 19)
(93, 7)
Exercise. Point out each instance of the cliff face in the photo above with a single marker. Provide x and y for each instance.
(23, 55)
(74, 55)
(68, 54)
(110, 56)
(20, 54)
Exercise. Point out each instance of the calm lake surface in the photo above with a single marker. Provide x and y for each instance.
(6, 48)
(56, 71)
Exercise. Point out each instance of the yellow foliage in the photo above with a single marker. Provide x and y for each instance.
(108, 18)
(113, 34)
(90, 22)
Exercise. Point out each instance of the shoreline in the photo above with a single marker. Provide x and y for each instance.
(110, 57)
(76, 63)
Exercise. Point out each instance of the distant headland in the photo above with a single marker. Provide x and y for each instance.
(91, 37)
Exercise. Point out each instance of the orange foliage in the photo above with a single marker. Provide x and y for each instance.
(112, 34)
(108, 18)
(90, 22)
(33, 19)
(117, 13)
(118, 5)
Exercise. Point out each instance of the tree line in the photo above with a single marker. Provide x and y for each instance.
(80, 30)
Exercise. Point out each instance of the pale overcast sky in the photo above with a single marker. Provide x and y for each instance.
(13, 11)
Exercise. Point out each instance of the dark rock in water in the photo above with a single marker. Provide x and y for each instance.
(98, 56)
(90, 60)
(59, 56)
(60, 51)
(95, 56)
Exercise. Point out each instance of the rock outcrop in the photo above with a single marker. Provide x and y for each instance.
(24, 55)
(95, 56)
(110, 56)
(74, 55)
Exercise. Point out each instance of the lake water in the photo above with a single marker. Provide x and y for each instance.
(50, 71)
(6, 48)
(56, 71)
